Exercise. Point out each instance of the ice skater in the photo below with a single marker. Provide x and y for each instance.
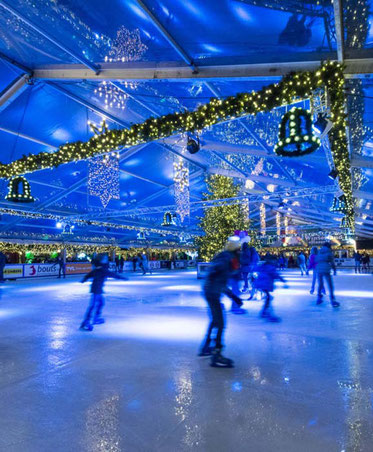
(301, 260)
(312, 266)
(2, 266)
(144, 265)
(324, 264)
(98, 276)
(357, 258)
(267, 275)
(216, 284)
(61, 267)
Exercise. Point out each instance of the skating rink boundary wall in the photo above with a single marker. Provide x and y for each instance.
(202, 267)
(15, 271)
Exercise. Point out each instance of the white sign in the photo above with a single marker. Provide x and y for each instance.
(31, 270)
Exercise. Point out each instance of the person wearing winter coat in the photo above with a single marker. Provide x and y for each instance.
(357, 258)
(301, 260)
(220, 272)
(267, 275)
(324, 264)
(98, 276)
(312, 266)
(245, 260)
(144, 264)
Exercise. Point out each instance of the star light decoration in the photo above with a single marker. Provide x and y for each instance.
(112, 96)
(103, 172)
(126, 47)
(181, 188)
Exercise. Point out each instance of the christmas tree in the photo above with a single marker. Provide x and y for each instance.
(220, 222)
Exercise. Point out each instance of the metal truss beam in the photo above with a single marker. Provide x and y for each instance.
(170, 39)
(48, 36)
(16, 64)
(360, 161)
(13, 90)
(28, 138)
(363, 194)
(338, 21)
(196, 205)
(355, 68)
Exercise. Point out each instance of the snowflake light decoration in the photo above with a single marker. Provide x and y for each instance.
(126, 47)
(263, 225)
(181, 188)
(103, 172)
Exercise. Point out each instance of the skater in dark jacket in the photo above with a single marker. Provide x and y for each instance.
(267, 275)
(324, 265)
(98, 276)
(216, 284)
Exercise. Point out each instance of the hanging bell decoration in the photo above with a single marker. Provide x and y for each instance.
(295, 136)
(347, 222)
(339, 204)
(168, 219)
(19, 190)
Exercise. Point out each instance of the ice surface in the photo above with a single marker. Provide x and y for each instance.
(136, 384)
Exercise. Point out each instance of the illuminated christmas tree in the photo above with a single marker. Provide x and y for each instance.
(221, 222)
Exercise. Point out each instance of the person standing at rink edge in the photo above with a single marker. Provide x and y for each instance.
(221, 270)
(324, 265)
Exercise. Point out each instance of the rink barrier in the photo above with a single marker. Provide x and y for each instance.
(15, 271)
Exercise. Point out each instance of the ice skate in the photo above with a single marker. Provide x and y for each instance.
(238, 311)
(311, 292)
(86, 327)
(264, 313)
(99, 321)
(273, 319)
(319, 301)
(205, 351)
(217, 360)
(335, 304)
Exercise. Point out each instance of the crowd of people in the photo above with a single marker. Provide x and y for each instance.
(237, 263)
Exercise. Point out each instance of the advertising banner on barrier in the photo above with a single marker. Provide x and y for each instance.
(32, 270)
(13, 271)
(154, 265)
(76, 268)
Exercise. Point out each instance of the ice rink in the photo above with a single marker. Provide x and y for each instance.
(136, 384)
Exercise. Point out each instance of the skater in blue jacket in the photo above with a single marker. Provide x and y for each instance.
(267, 275)
(98, 276)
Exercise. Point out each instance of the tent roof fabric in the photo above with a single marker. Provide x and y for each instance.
(73, 38)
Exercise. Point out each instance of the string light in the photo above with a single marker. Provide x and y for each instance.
(181, 188)
(126, 47)
(15, 194)
(262, 212)
(278, 224)
(220, 222)
(286, 225)
(113, 97)
(298, 85)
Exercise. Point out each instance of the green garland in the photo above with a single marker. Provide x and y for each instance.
(294, 86)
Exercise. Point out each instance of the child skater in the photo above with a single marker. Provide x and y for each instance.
(98, 275)
(267, 275)
(220, 272)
